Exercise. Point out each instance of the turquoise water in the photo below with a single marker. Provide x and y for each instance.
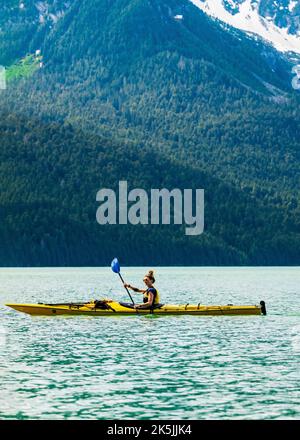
(145, 367)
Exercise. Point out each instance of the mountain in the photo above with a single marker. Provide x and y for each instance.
(24, 24)
(278, 22)
(158, 94)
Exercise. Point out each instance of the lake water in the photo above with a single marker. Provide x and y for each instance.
(145, 367)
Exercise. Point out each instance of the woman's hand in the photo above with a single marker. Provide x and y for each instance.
(127, 286)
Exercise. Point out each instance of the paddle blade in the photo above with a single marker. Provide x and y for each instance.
(115, 266)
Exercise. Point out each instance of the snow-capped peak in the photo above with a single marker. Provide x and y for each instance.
(246, 15)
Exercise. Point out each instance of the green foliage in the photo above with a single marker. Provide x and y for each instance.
(129, 93)
(24, 68)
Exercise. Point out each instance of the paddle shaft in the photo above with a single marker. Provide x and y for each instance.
(125, 287)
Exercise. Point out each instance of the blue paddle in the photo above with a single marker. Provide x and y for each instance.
(115, 266)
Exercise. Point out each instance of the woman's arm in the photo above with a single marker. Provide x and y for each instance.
(148, 304)
(135, 289)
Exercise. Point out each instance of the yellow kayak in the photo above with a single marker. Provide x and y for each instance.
(107, 307)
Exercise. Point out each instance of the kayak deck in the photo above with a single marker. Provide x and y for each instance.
(109, 308)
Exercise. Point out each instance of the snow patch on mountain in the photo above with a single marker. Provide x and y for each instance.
(246, 17)
(292, 5)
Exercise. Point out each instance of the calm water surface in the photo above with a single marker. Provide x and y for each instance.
(145, 367)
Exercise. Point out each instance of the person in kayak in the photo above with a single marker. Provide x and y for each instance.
(151, 295)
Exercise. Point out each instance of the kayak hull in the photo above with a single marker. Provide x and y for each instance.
(114, 308)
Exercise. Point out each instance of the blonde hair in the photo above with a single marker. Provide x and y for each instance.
(150, 275)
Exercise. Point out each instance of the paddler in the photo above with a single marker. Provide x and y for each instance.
(151, 295)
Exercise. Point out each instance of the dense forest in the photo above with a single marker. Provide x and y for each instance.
(125, 92)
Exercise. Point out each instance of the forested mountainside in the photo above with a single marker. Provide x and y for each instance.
(127, 91)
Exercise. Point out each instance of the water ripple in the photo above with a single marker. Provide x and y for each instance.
(145, 367)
